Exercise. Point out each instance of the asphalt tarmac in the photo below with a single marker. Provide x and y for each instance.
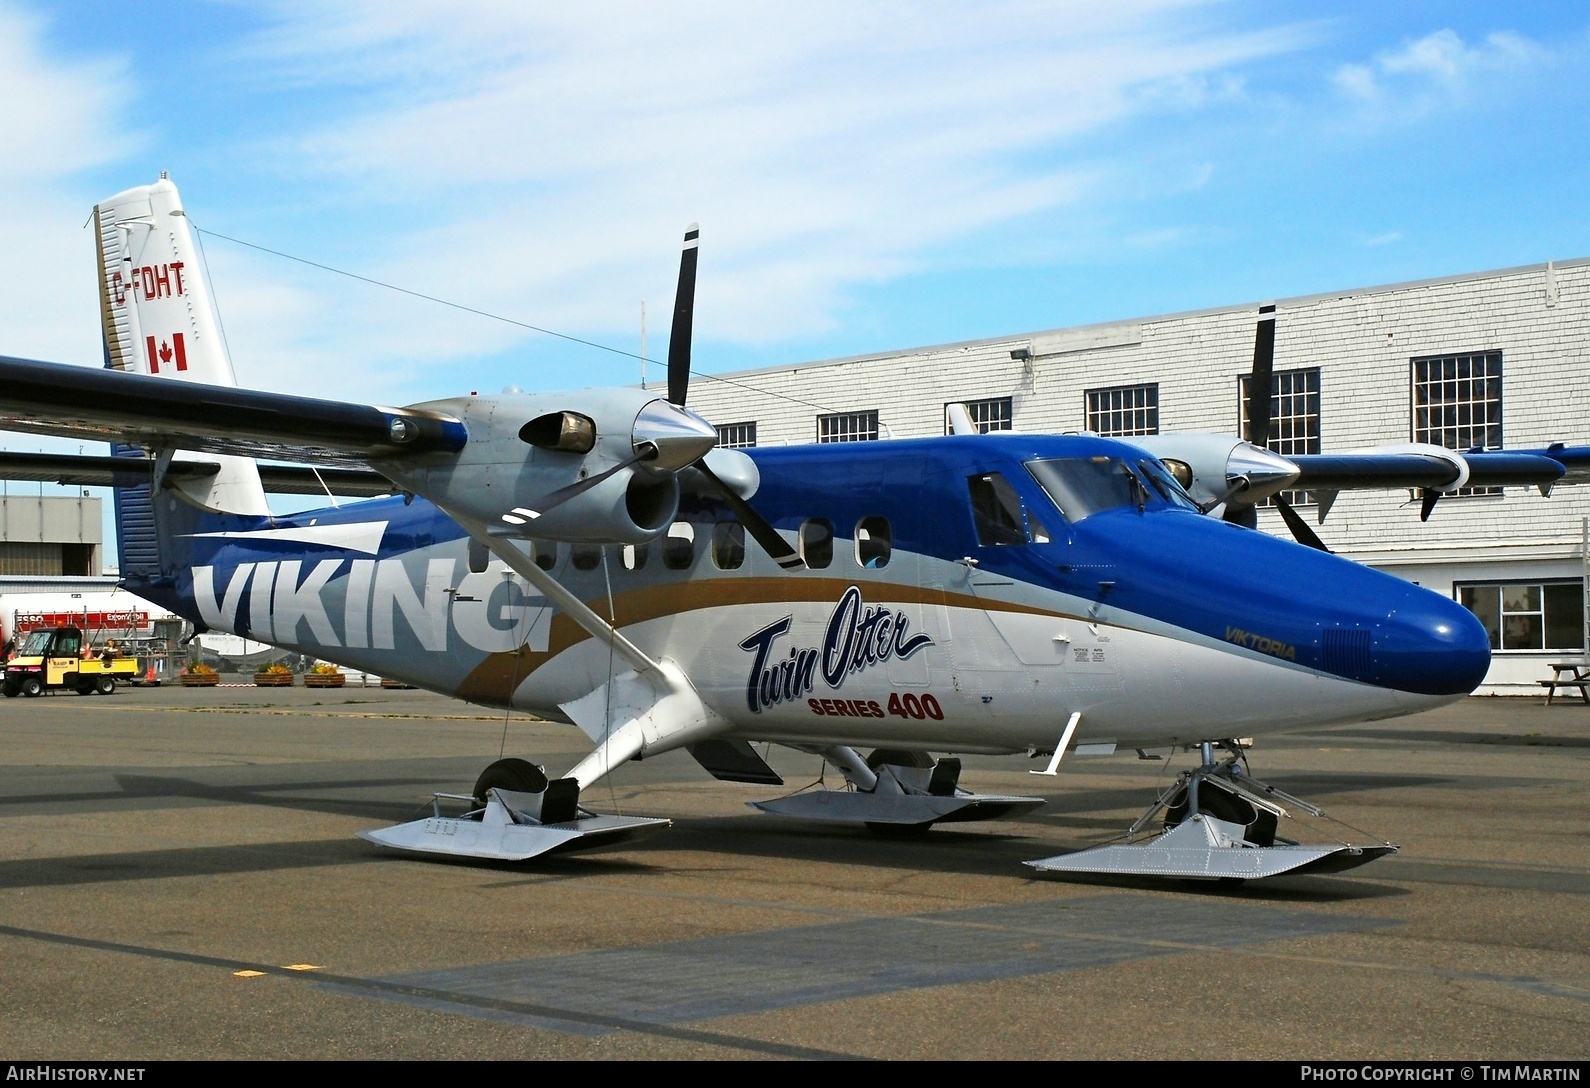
(180, 878)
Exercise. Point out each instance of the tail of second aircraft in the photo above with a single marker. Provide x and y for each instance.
(158, 318)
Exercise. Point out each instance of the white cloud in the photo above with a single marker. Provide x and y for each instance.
(1435, 70)
(60, 119)
(542, 160)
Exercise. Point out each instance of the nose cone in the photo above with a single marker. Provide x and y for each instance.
(1266, 472)
(1433, 646)
(680, 436)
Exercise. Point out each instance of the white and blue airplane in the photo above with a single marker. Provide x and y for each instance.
(593, 557)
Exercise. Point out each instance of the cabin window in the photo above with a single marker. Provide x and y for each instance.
(728, 545)
(635, 556)
(479, 557)
(817, 542)
(586, 556)
(679, 546)
(66, 645)
(873, 542)
(996, 509)
(545, 553)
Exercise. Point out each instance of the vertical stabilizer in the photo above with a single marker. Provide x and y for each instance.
(159, 319)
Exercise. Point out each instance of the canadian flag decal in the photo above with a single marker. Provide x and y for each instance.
(166, 352)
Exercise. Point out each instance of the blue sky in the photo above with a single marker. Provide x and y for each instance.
(867, 175)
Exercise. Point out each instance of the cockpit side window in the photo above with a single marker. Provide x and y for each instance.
(996, 510)
(1168, 484)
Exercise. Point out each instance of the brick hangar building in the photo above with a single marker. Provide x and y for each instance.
(1488, 359)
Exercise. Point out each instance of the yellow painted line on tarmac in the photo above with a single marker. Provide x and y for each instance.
(248, 974)
(301, 967)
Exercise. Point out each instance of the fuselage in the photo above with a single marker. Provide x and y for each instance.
(961, 594)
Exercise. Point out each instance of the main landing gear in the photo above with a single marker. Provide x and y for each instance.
(515, 813)
(1219, 824)
(895, 790)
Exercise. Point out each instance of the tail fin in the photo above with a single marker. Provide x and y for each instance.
(159, 319)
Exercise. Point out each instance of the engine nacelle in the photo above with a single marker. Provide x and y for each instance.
(1209, 465)
(524, 449)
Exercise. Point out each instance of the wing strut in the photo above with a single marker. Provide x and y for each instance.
(576, 609)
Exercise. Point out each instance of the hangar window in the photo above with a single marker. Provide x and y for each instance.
(817, 542)
(1457, 403)
(679, 546)
(586, 556)
(737, 436)
(1123, 410)
(635, 556)
(1528, 615)
(873, 542)
(848, 427)
(990, 414)
(47, 559)
(728, 545)
(545, 554)
(1294, 418)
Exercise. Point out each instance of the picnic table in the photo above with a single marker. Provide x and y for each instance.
(1568, 674)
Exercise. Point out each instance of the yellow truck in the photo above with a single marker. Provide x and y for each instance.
(59, 658)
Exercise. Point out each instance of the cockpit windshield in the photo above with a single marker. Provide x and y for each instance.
(1167, 485)
(1084, 486)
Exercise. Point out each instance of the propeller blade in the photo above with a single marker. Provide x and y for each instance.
(1260, 379)
(1294, 521)
(1230, 491)
(553, 499)
(755, 524)
(684, 311)
(1428, 497)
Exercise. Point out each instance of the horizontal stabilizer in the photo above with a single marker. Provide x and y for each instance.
(83, 471)
(144, 410)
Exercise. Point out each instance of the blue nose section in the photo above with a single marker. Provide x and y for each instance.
(1433, 646)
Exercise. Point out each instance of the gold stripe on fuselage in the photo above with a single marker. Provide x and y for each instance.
(493, 681)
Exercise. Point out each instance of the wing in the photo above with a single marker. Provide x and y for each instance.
(1394, 469)
(144, 410)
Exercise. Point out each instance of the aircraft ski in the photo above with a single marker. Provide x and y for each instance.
(1220, 824)
(511, 826)
(597, 558)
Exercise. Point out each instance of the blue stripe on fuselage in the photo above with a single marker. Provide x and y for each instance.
(1233, 585)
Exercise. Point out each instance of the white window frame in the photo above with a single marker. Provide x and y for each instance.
(848, 427)
(1122, 411)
